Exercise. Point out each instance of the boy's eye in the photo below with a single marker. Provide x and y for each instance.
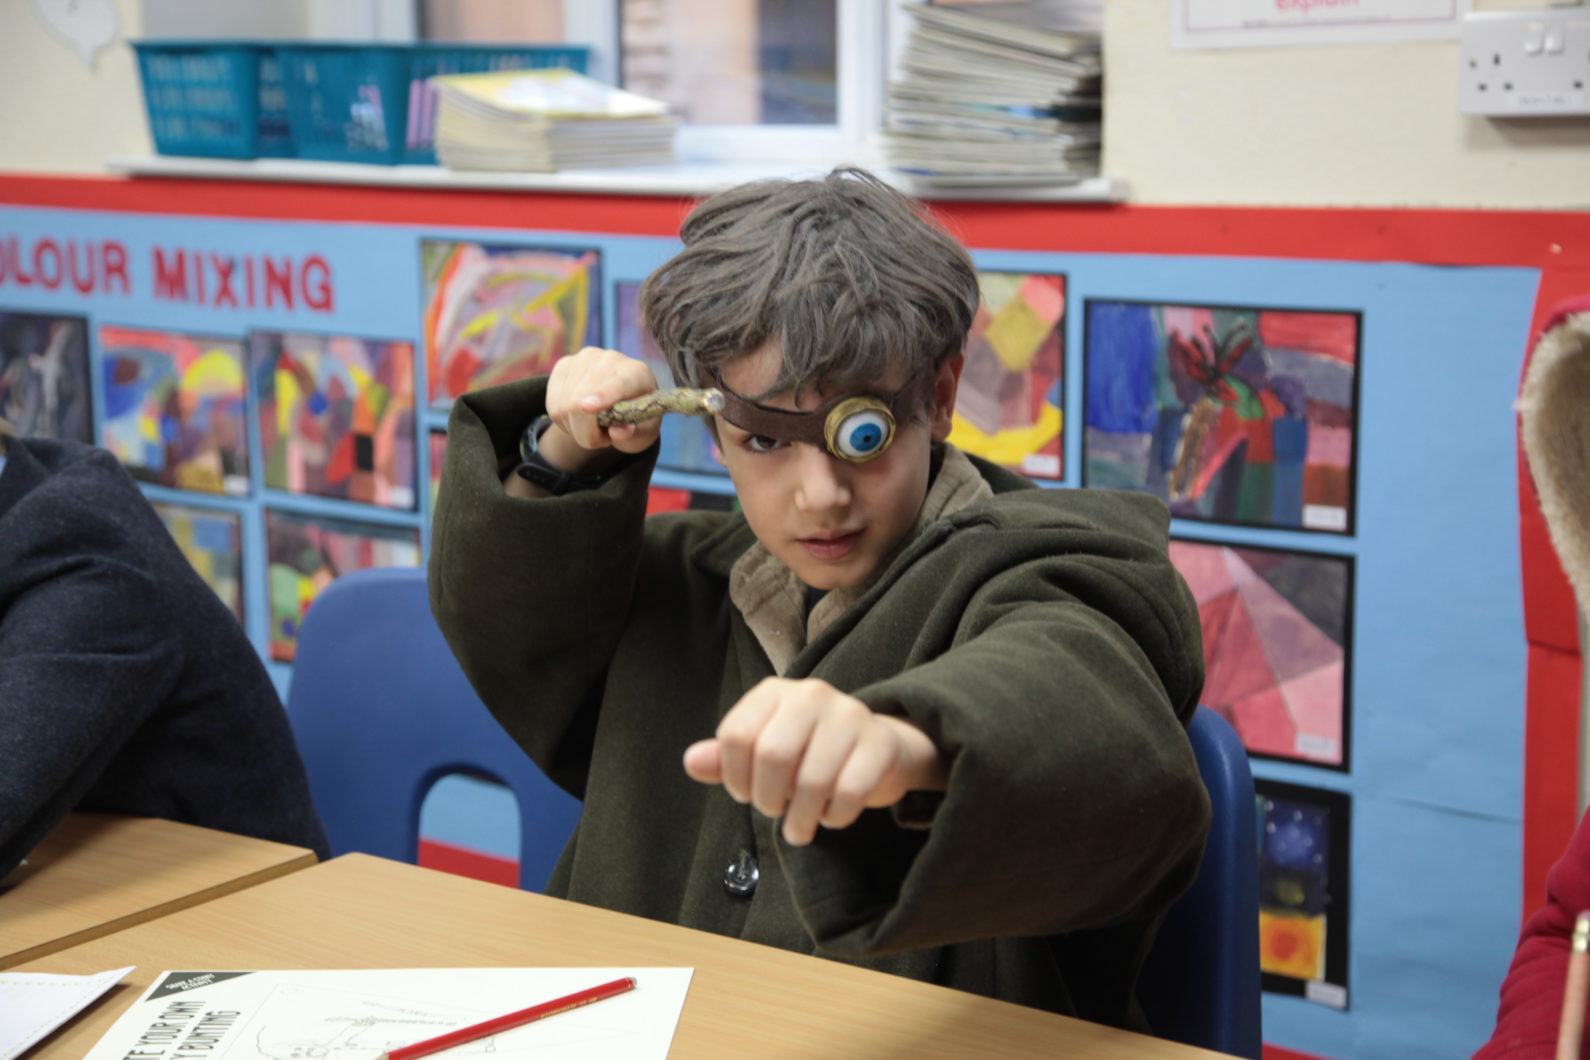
(761, 443)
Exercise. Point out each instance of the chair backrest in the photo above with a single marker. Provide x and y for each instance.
(1200, 983)
(381, 711)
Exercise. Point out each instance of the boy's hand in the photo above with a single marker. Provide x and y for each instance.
(583, 385)
(808, 752)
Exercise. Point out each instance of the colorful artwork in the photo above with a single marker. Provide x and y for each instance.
(494, 314)
(1303, 907)
(305, 554)
(336, 416)
(438, 457)
(44, 381)
(1276, 630)
(1229, 414)
(213, 542)
(667, 499)
(686, 444)
(174, 408)
(1008, 408)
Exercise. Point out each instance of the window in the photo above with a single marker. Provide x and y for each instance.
(753, 80)
(740, 62)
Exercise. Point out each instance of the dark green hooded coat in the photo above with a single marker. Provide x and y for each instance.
(1041, 639)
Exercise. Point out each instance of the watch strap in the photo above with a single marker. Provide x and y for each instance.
(534, 467)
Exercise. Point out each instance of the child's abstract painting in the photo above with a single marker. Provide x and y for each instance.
(1303, 901)
(213, 542)
(685, 443)
(174, 408)
(494, 314)
(1276, 630)
(438, 442)
(669, 499)
(336, 416)
(1230, 414)
(44, 378)
(307, 553)
(1008, 407)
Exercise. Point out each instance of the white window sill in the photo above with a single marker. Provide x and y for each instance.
(683, 179)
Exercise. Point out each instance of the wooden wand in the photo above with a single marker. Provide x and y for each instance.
(683, 400)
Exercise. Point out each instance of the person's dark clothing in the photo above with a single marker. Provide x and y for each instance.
(126, 685)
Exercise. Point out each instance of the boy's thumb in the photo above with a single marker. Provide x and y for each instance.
(703, 762)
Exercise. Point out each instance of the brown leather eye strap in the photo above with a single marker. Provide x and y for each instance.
(812, 428)
(780, 425)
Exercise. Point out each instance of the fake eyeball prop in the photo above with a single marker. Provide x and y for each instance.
(859, 429)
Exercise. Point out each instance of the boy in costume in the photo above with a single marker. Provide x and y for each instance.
(906, 709)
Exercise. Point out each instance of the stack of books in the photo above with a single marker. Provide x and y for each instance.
(539, 121)
(993, 101)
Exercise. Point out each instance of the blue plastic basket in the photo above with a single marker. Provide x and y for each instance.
(372, 102)
(345, 102)
(217, 99)
(275, 135)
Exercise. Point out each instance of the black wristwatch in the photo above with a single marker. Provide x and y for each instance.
(533, 467)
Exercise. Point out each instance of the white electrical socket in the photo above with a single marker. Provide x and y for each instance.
(1525, 63)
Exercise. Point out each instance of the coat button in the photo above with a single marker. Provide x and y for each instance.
(739, 879)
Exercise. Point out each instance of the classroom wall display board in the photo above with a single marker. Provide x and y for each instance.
(1323, 397)
(1277, 627)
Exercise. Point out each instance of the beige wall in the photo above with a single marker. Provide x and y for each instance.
(1368, 125)
(58, 115)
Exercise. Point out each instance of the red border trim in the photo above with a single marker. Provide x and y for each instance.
(1547, 240)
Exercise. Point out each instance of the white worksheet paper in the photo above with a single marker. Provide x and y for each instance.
(360, 1014)
(33, 1004)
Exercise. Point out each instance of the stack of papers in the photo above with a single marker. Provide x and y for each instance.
(538, 121)
(986, 100)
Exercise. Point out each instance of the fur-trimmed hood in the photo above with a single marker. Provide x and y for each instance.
(1554, 418)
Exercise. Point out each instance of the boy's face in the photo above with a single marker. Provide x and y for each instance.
(831, 521)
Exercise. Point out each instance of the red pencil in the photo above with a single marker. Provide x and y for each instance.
(512, 1019)
(1571, 1030)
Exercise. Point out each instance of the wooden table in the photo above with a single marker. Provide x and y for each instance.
(745, 999)
(97, 873)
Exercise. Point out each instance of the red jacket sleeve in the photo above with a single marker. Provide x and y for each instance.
(1531, 1002)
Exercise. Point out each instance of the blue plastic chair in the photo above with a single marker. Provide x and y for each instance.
(381, 711)
(1200, 983)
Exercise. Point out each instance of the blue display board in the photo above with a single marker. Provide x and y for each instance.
(1428, 638)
